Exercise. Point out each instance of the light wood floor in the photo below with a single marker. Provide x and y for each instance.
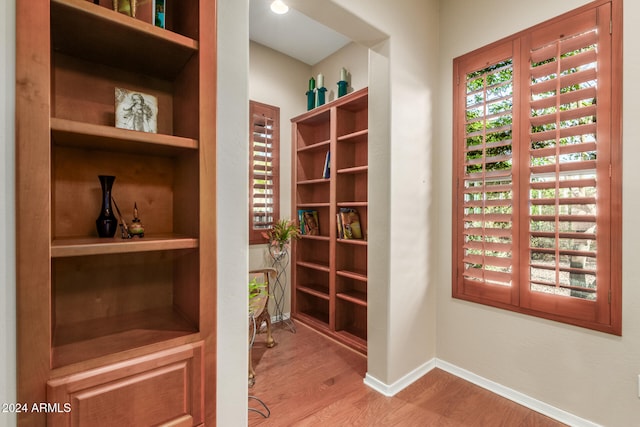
(310, 380)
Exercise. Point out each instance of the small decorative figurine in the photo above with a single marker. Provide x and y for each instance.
(136, 228)
(128, 7)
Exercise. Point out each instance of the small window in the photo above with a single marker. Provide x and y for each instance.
(537, 154)
(264, 169)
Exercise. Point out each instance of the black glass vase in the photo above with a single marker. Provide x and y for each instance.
(106, 224)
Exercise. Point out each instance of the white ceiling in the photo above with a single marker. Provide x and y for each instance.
(293, 33)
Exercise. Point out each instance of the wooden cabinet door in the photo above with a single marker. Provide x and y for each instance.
(160, 389)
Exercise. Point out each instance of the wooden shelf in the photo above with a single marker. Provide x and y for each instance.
(315, 117)
(352, 204)
(97, 137)
(353, 170)
(324, 145)
(100, 337)
(314, 319)
(314, 181)
(318, 237)
(316, 291)
(354, 135)
(360, 242)
(84, 30)
(355, 297)
(313, 266)
(84, 246)
(312, 205)
(361, 276)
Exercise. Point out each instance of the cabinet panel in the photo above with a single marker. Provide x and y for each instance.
(156, 389)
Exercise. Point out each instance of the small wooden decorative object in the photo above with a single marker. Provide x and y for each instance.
(128, 7)
(136, 228)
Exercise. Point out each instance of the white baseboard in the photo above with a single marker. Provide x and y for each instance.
(515, 396)
(402, 383)
(506, 392)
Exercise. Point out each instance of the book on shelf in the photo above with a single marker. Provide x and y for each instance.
(159, 9)
(326, 171)
(348, 223)
(309, 223)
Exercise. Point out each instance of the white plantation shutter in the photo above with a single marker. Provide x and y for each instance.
(263, 169)
(537, 172)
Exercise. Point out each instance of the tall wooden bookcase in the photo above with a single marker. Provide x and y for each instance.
(113, 331)
(329, 273)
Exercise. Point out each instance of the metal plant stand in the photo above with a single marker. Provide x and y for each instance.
(264, 409)
(280, 262)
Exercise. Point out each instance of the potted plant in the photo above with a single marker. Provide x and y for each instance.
(280, 235)
(257, 297)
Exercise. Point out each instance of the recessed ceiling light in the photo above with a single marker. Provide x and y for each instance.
(279, 7)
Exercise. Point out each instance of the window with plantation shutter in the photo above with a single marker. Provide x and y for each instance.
(264, 131)
(537, 158)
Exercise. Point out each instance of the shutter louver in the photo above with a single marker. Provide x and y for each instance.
(488, 181)
(262, 173)
(563, 153)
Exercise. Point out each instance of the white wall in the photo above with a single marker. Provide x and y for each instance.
(589, 374)
(232, 165)
(7, 216)
(355, 59)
